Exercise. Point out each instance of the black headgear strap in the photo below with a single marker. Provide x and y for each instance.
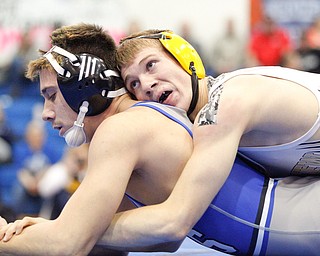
(195, 88)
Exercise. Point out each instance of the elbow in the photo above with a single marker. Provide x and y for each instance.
(173, 246)
(174, 224)
(73, 248)
(176, 229)
(70, 248)
(180, 232)
(60, 247)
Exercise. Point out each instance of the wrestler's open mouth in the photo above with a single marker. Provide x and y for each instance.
(57, 127)
(164, 96)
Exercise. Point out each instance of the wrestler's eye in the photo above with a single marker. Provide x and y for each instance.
(134, 84)
(150, 65)
(49, 94)
(52, 97)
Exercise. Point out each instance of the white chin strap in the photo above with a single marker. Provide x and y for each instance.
(75, 136)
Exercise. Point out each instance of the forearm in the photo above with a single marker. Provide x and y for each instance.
(43, 237)
(131, 231)
(34, 241)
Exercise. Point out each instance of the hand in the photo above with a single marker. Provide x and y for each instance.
(15, 228)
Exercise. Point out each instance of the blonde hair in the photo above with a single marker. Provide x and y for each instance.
(35, 66)
(131, 45)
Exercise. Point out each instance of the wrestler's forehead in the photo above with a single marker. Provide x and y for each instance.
(148, 52)
(48, 81)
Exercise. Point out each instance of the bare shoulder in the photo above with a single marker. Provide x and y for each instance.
(119, 141)
(125, 125)
(140, 134)
(131, 128)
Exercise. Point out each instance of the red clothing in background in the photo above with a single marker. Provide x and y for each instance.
(268, 48)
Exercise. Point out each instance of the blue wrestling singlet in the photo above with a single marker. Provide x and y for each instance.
(229, 223)
(256, 215)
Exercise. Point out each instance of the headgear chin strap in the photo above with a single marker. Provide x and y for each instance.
(195, 89)
(76, 136)
(87, 86)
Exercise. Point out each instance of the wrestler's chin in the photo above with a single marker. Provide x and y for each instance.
(62, 131)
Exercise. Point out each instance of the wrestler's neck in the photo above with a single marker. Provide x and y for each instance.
(118, 105)
(203, 97)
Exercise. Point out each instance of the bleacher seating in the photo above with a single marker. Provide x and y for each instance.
(18, 113)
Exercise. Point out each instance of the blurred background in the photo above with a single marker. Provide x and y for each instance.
(228, 35)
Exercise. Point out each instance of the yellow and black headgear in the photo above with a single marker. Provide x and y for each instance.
(186, 55)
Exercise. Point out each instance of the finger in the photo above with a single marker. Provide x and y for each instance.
(11, 230)
(19, 229)
(15, 229)
(8, 232)
(3, 231)
(20, 225)
(25, 222)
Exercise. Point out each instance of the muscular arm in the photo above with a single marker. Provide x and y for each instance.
(91, 208)
(173, 219)
(215, 148)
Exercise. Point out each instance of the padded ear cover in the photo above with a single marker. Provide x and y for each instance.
(87, 83)
(183, 52)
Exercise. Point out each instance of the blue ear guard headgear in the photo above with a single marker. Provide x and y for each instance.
(84, 77)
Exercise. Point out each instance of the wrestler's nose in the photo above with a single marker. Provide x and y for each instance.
(48, 113)
(148, 85)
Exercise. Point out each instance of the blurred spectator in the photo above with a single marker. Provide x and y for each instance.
(10, 38)
(187, 34)
(25, 194)
(312, 35)
(228, 52)
(292, 59)
(309, 56)
(118, 34)
(17, 48)
(16, 79)
(268, 44)
(61, 180)
(6, 139)
(133, 27)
